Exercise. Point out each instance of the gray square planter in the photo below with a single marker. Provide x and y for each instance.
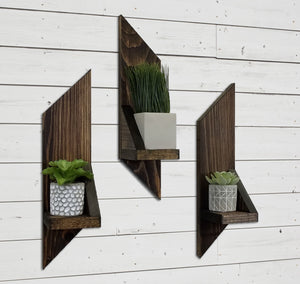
(222, 198)
(157, 129)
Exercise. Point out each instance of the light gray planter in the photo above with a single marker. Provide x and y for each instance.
(66, 200)
(158, 130)
(222, 198)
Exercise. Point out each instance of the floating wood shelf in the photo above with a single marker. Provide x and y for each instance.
(161, 154)
(229, 217)
(67, 135)
(145, 164)
(77, 222)
(216, 152)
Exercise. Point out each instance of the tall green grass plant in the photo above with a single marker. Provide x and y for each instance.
(148, 85)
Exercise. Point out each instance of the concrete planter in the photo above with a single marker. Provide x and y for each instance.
(158, 130)
(67, 199)
(222, 198)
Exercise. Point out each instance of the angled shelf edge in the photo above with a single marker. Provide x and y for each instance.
(216, 152)
(67, 135)
(145, 164)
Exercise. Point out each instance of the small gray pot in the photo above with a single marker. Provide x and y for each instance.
(222, 198)
(67, 199)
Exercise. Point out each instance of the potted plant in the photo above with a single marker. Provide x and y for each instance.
(222, 191)
(148, 85)
(67, 193)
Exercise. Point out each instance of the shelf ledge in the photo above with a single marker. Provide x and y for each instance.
(143, 155)
(225, 218)
(72, 222)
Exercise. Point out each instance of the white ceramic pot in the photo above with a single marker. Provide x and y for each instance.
(157, 129)
(222, 198)
(67, 199)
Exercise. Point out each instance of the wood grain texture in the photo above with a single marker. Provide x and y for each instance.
(216, 152)
(67, 135)
(159, 154)
(225, 218)
(143, 163)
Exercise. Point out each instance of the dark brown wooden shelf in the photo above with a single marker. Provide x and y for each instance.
(229, 217)
(216, 152)
(145, 164)
(67, 135)
(76, 222)
(161, 154)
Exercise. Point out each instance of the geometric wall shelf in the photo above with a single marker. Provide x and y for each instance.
(67, 135)
(145, 164)
(216, 152)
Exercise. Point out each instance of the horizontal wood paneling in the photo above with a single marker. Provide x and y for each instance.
(20, 221)
(267, 13)
(56, 30)
(258, 110)
(251, 143)
(258, 44)
(25, 105)
(257, 176)
(216, 74)
(21, 259)
(99, 33)
(50, 51)
(53, 67)
(62, 68)
(21, 104)
(279, 272)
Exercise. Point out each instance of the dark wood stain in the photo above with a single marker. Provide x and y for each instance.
(216, 152)
(67, 135)
(145, 164)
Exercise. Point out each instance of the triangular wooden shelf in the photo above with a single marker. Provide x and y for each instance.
(67, 135)
(145, 164)
(216, 152)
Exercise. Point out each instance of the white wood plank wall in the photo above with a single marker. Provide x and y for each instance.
(46, 46)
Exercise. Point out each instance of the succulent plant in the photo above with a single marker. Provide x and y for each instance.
(63, 171)
(148, 85)
(223, 178)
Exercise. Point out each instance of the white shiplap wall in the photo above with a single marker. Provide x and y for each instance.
(45, 46)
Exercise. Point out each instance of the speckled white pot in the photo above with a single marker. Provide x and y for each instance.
(222, 198)
(67, 199)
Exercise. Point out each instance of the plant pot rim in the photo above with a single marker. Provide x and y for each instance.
(224, 185)
(145, 112)
(68, 184)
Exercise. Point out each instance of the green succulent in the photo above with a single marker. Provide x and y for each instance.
(63, 171)
(148, 86)
(223, 178)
